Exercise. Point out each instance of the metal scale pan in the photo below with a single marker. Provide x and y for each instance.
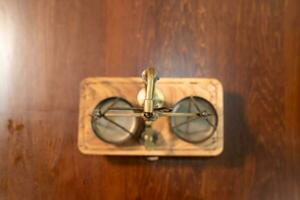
(114, 129)
(194, 129)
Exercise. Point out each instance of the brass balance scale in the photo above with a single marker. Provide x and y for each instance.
(151, 117)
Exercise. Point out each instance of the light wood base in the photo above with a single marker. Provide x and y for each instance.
(93, 90)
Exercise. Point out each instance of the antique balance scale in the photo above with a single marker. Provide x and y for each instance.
(151, 117)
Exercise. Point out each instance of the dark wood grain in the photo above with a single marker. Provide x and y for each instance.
(48, 47)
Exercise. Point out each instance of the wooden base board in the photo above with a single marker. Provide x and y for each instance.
(93, 90)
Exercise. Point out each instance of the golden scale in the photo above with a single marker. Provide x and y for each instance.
(151, 117)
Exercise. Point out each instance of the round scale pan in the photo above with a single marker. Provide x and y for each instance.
(114, 129)
(194, 129)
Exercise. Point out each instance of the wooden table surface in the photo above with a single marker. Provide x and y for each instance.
(48, 47)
